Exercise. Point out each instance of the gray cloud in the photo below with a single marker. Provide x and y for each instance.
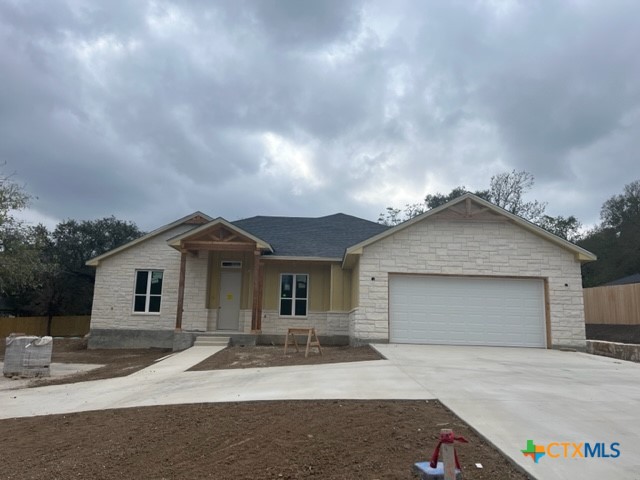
(149, 110)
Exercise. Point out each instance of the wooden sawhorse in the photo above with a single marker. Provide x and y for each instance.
(309, 332)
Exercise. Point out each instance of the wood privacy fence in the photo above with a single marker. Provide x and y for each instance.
(71, 326)
(614, 305)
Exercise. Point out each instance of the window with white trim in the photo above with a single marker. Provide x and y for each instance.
(294, 294)
(148, 291)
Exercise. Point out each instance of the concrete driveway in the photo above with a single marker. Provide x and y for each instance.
(511, 395)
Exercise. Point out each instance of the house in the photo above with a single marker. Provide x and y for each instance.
(465, 273)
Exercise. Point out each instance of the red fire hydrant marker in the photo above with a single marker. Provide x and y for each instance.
(449, 455)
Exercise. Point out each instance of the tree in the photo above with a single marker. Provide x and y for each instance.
(615, 241)
(507, 191)
(564, 227)
(437, 199)
(19, 258)
(621, 210)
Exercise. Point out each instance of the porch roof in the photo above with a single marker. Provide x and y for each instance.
(218, 234)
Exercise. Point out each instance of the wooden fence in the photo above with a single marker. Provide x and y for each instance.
(614, 305)
(71, 326)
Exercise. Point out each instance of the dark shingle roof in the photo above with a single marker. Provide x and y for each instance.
(635, 278)
(325, 237)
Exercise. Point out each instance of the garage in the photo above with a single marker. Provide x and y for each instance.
(452, 310)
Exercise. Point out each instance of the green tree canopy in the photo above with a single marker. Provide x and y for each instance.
(19, 244)
(616, 241)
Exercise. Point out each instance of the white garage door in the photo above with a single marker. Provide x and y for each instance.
(466, 311)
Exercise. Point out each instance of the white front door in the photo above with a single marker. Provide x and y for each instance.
(229, 312)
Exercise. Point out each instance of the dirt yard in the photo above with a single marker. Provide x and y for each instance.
(261, 440)
(117, 362)
(273, 356)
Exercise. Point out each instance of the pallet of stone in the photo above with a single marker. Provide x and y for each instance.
(27, 356)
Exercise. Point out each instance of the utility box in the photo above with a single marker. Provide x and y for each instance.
(27, 356)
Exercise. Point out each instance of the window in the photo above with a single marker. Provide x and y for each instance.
(148, 291)
(293, 294)
(231, 264)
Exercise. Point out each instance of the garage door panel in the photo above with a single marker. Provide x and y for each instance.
(466, 310)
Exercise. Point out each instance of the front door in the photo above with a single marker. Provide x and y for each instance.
(229, 312)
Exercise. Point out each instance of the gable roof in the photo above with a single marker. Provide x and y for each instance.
(635, 278)
(323, 237)
(581, 254)
(175, 241)
(184, 220)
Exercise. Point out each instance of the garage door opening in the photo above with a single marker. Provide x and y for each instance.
(450, 310)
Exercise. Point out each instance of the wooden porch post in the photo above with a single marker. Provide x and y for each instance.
(256, 312)
(183, 267)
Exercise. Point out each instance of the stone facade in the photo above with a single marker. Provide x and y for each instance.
(325, 323)
(194, 313)
(623, 351)
(115, 280)
(459, 247)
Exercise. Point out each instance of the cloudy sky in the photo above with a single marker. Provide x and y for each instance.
(149, 110)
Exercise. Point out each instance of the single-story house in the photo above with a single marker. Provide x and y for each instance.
(465, 273)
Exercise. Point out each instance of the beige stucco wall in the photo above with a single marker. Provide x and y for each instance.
(215, 259)
(452, 247)
(115, 279)
(318, 286)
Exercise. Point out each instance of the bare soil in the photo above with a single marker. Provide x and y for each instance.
(117, 362)
(256, 440)
(273, 356)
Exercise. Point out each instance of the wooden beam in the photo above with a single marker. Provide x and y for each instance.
(228, 246)
(183, 268)
(256, 311)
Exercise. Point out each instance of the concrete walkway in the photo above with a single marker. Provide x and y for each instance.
(508, 395)
(167, 382)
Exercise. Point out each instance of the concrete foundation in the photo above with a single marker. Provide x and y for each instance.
(129, 338)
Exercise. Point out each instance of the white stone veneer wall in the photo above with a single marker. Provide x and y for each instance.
(325, 323)
(194, 312)
(469, 248)
(115, 279)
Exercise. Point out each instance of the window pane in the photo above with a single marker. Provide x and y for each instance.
(156, 283)
(141, 282)
(286, 287)
(138, 305)
(154, 303)
(285, 307)
(301, 286)
(301, 307)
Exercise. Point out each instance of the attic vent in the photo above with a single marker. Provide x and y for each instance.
(231, 264)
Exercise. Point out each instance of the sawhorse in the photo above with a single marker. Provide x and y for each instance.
(309, 332)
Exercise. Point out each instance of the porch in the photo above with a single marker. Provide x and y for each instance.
(230, 283)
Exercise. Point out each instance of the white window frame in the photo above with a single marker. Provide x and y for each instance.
(148, 293)
(293, 296)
